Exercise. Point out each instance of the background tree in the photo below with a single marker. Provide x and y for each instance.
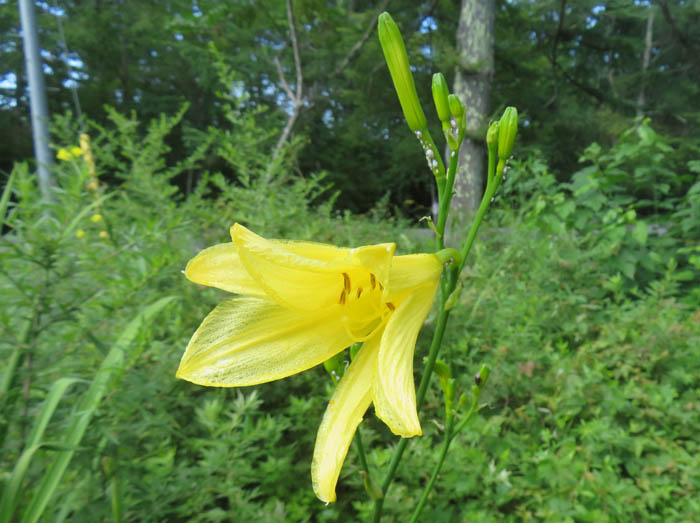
(473, 85)
(574, 70)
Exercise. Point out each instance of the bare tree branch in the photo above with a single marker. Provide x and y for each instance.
(295, 47)
(296, 97)
(361, 42)
(648, 38)
(285, 85)
(553, 58)
(683, 39)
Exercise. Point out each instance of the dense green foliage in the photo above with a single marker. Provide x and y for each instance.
(582, 292)
(587, 314)
(575, 70)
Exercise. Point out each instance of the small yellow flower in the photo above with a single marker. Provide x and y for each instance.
(96, 218)
(302, 304)
(67, 155)
(103, 234)
(64, 155)
(87, 150)
(80, 233)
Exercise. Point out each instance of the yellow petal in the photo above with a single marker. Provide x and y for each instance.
(220, 266)
(296, 279)
(411, 271)
(246, 341)
(394, 388)
(316, 251)
(345, 410)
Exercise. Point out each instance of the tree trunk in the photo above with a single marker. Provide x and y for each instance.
(473, 86)
(641, 98)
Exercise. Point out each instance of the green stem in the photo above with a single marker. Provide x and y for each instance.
(447, 286)
(446, 200)
(492, 167)
(436, 471)
(427, 143)
(420, 396)
(450, 433)
(491, 187)
(361, 451)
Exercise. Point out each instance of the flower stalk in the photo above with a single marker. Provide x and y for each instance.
(300, 304)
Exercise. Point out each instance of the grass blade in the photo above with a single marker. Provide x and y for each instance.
(11, 493)
(5, 199)
(48, 408)
(88, 404)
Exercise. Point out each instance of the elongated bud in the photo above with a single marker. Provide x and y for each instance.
(456, 107)
(507, 129)
(442, 370)
(440, 94)
(447, 383)
(481, 377)
(397, 60)
(453, 297)
(492, 138)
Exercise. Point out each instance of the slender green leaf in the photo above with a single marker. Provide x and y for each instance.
(50, 403)
(9, 371)
(11, 492)
(5, 199)
(89, 402)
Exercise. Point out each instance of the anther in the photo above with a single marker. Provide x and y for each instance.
(341, 301)
(381, 287)
(346, 282)
(359, 291)
(372, 280)
(390, 306)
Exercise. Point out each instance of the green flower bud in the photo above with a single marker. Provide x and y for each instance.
(507, 129)
(440, 93)
(482, 376)
(397, 60)
(442, 370)
(453, 297)
(492, 138)
(456, 107)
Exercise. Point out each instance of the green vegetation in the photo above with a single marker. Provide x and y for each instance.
(581, 294)
(585, 312)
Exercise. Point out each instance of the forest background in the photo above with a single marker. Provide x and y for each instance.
(582, 295)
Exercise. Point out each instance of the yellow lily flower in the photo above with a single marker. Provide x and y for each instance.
(301, 304)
